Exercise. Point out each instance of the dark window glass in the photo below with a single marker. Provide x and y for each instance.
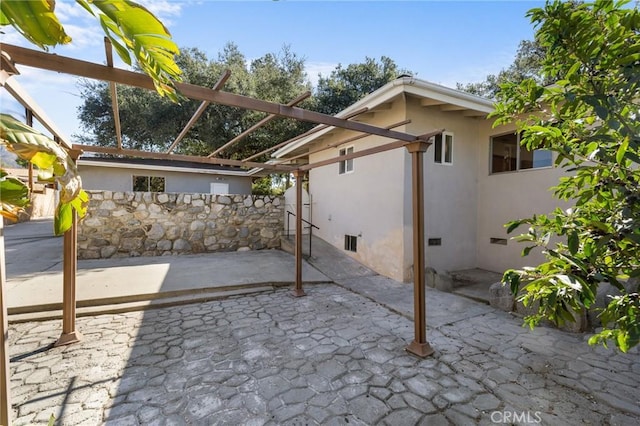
(148, 183)
(504, 153)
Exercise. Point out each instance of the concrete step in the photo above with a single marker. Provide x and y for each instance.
(474, 283)
(134, 303)
(288, 244)
(478, 292)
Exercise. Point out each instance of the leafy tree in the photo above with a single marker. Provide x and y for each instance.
(589, 118)
(526, 65)
(345, 86)
(152, 123)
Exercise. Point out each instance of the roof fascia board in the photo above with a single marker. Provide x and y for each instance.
(451, 96)
(86, 162)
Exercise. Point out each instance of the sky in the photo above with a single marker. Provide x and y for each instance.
(443, 42)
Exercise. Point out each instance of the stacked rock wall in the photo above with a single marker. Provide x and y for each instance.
(124, 224)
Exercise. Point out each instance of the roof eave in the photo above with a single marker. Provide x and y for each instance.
(394, 88)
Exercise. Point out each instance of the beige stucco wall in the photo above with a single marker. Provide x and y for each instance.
(465, 206)
(121, 179)
(368, 203)
(374, 202)
(449, 190)
(508, 196)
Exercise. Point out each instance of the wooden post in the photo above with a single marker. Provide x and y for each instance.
(5, 380)
(69, 268)
(298, 291)
(419, 346)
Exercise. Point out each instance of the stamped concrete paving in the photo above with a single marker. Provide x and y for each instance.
(334, 357)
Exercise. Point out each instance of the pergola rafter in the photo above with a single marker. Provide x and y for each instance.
(416, 146)
(341, 142)
(108, 50)
(180, 157)
(66, 65)
(196, 115)
(303, 135)
(256, 126)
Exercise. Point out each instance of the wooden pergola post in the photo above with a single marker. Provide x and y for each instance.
(69, 272)
(5, 381)
(419, 346)
(298, 291)
(69, 269)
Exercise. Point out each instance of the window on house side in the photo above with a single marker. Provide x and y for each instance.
(148, 183)
(443, 148)
(346, 166)
(507, 155)
(351, 243)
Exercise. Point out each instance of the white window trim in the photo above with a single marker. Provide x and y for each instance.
(442, 151)
(344, 163)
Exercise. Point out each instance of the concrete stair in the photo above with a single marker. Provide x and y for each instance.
(474, 283)
(288, 244)
(136, 302)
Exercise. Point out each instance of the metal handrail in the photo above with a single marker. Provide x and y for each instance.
(311, 226)
(305, 221)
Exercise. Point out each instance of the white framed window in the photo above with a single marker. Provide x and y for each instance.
(507, 155)
(443, 148)
(345, 166)
(148, 183)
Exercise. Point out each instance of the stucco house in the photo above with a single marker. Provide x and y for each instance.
(476, 179)
(151, 175)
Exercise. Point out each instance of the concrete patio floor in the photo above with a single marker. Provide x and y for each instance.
(334, 357)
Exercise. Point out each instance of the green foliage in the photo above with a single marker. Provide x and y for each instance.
(273, 184)
(130, 27)
(14, 195)
(53, 164)
(133, 29)
(526, 65)
(35, 20)
(345, 86)
(589, 118)
(152, 123)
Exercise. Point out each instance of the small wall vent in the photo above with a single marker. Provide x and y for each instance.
(351, 243)
(501, 241)
(434, 241)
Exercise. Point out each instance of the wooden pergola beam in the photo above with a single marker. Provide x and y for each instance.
(196, 115)
(336, 144)
(259, 124)
(302, 135)
(180, 157)
(86, 69)
(375, 150)
(108, 50)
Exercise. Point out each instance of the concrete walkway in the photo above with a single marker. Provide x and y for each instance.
(335, 357)
(34, 276)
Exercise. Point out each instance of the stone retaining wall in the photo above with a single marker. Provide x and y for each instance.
(124, 224)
